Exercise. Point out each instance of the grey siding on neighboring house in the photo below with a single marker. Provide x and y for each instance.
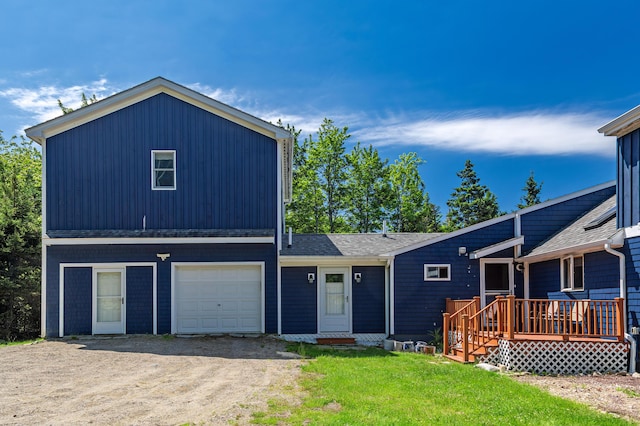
(99, 173)
(139, 295)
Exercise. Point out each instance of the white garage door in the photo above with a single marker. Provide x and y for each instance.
(218, 299)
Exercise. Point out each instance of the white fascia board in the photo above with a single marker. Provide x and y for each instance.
(632, 231)
(449, 235)
(622, 125)
(144, 91)
(486, 251)
(579, 249)
(567, 197)
(333, 260)
(133, 240)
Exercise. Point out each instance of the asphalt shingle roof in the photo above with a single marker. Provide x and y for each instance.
(350, 244)
(576, 235)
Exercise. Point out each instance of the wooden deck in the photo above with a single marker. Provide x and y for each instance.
(472, 332)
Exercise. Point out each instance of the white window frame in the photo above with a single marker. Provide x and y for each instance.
(153, 170)
(446, 266)
(571, 261)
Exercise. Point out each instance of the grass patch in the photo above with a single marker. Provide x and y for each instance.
(20, 342)
(629, 392)
(378, 387)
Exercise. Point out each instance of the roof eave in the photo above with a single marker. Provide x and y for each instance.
(622, 125)
(616, 241)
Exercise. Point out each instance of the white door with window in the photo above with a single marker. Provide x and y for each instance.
(108, 301)
(334, 311)
(496, 279)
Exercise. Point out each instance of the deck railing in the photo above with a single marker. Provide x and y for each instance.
(469, 328)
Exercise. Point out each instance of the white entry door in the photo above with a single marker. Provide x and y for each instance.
(334, 291)
(108, 301)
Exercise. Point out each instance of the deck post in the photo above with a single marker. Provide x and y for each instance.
(445, 332)
(511, 315)
(465, 337)
(476, 299)
(620, 318)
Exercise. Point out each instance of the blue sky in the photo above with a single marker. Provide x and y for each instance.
(513, 86)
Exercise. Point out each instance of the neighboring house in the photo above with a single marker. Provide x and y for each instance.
(163, 212)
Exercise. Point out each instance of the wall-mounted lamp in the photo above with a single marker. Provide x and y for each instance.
(462, 251)
(357, 277)
(163, 256)
(311, 277)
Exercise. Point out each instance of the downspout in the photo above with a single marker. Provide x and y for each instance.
(623, 294)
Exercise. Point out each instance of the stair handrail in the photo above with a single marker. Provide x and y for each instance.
(452, 324)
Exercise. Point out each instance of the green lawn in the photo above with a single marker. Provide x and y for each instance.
(375, 387)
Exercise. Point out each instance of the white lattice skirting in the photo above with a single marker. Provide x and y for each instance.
(368, 339)
(560, 357)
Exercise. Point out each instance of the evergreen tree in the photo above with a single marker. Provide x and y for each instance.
(410, 208)
(532, 191)
(367, 189)
(20, 229)
(471, 202)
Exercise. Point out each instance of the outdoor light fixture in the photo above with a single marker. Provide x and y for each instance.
(462, 251)
(311, 277)
(358, 277)
(163, 256)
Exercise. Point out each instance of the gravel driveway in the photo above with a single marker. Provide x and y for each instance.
(142, 380)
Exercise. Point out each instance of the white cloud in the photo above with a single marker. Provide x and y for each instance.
(42, 102)
(527, 133)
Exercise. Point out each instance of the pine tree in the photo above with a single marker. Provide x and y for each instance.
(471, 202)
(532, 191)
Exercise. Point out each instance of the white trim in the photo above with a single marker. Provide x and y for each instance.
(517, 232)
(570, 287)
(591, 247)
(437, 265)
(632, 231)
(144, 91)
(261, 264)
(623, 124)
(392, 295)
(333, 260)
(92, 265)
(387, 276)
(94, 300)
(526, 281)
(320, 279)
(483, 284)
(153, 170)
(486, 251)
(143, 240)
(279, 293)
(43, 261)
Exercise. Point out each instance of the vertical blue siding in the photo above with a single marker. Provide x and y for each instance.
(147, 253)
(99, 174)
(539, 225)
(139, 288)
(628, 178)
(632, 253)
(77, 301)
(299, 301)
(419, 304)
(368, 306)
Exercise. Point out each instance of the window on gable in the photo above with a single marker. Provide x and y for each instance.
(572, 273)
(437, 272)
(163, 170)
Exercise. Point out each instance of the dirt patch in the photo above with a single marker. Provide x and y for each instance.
(143, 380)
(614, 394)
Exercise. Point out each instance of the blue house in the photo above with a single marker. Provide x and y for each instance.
(163, 212)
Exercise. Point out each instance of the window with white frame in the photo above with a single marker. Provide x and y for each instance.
(572, 273)
(163, 170)
(437, 272)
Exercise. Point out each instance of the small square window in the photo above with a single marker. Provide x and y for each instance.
(163, 170)
(437, 272)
